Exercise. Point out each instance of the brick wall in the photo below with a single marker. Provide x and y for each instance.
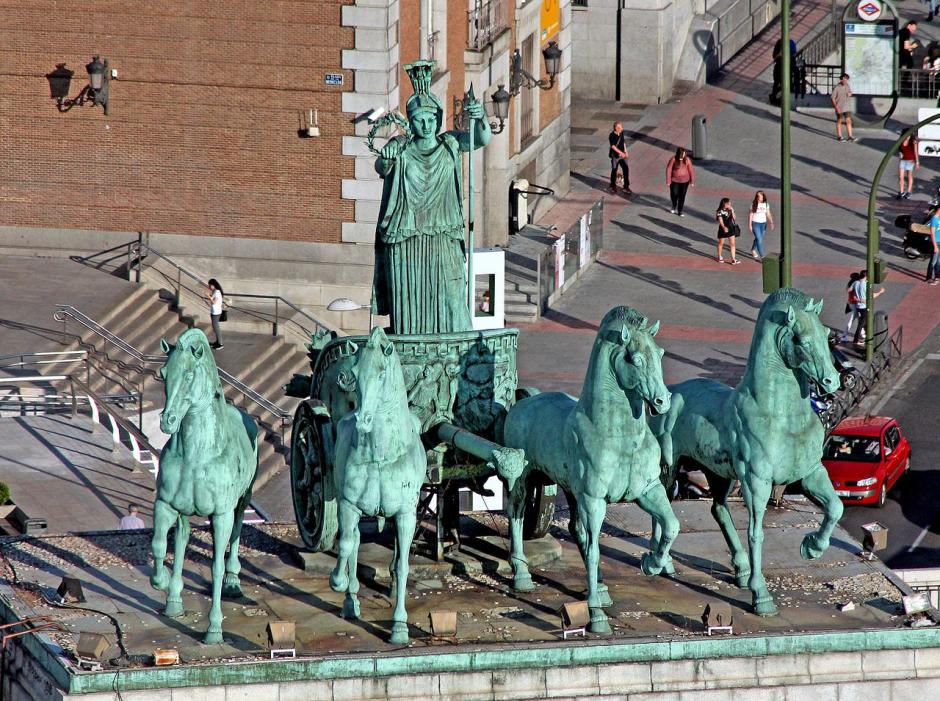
(202, 133)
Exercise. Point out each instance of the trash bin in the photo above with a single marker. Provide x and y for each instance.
(770, 267)
(699, 138)
(881, 330)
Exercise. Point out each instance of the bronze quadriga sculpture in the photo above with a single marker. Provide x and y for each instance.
(762, 432)
(206, 469)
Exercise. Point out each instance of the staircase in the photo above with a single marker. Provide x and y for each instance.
(521, 291)
(261, 361)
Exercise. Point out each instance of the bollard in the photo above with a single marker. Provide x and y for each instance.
(699, 138)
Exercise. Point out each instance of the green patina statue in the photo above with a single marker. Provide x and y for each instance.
(206, 469)
(420, 279)
(599, 449)
(379, 467)
(763, 432)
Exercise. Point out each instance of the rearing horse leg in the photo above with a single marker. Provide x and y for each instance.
(591, 512)
(655, 502)
(818, 486)
(231, 588)
(222, 524)
(405, 523)
(174, 598)
(341, 577)
(521, 578)
(721, 487)
(576, 529)
(163, 517)
(756, 493)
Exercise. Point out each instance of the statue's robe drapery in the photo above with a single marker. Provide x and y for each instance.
(420, 277)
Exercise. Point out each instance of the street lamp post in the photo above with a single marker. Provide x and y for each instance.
(872, 240)
(786, 249)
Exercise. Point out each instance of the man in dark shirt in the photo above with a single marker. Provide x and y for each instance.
(618, 159)
(906, 45)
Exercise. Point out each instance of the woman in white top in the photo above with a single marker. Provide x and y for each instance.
(214, 295)
(757, 220)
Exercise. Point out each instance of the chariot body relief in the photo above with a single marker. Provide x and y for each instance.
(420, 278)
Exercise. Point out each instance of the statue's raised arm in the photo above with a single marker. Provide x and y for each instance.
(420, 278)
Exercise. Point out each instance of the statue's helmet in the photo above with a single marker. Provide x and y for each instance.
(420, 73)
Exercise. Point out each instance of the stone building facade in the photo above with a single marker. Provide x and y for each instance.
(204, 146)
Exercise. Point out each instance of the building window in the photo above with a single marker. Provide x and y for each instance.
(527, 97)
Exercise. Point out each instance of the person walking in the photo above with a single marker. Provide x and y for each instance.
(758, 219)
(910, 160)
(618, 159)
(860, 288)
(133, 521)
(842, 102)
(214, 295)
(933, 266)
(931, 8)
(906, 45)
(680, 176)
(850, 304)
(727, 229)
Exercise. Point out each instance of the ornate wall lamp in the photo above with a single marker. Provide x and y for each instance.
(96, 92)
(497, 106)
(520, 78)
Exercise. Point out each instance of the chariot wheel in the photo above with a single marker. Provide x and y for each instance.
(311, 471)
(539, 510)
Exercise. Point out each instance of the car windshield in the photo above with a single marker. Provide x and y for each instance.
(855, 448)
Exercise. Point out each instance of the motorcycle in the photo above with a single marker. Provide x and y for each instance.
(848, 373)
(917, 241)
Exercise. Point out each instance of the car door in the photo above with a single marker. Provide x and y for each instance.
(894, 461)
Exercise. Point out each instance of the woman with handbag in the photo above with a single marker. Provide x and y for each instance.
(214, 295)
(727, 229)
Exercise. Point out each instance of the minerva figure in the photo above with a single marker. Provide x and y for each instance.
(420, 278)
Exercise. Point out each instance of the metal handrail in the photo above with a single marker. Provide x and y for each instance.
(143, 249)
(65, 311)
(72, 356)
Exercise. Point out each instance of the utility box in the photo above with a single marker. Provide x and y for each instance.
(881, 271)
(699, 138)
(770, 268)
(881, 329)
(518, 205)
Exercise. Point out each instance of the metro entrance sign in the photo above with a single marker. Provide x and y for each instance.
(869, 10)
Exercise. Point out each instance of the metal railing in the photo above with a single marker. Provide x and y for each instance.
(101, 406)
(557, 264)
(66, 311)
(824, 44)
(888, 350)
(821, 79)
(918, 83)
(274, 310)
(485, 21)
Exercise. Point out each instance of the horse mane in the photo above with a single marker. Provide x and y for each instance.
(627, 316)
(194, 337)
(783, 298)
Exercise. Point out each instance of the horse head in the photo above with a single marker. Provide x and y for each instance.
(637, 361)
(803, 341)
(190, 378)
(380, 385)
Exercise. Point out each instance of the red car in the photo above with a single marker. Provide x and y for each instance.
(865, 456)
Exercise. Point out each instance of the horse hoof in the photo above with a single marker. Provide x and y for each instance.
(231, 590)
(599, 622)
(669, 568)
(765, 607)
(351, 608)
(212, 637)
(742, 578)
(809, 548)
(647, 566)
(339, 581)
(523, 583)
(160, 579)
(399, 633)
(173, 609)
(603, 595)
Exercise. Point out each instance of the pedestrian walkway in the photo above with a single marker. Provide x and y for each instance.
(665, 265)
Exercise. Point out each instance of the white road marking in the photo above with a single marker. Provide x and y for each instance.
(918, 539)
(876, 411)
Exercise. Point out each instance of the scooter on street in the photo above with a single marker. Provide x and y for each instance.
(917, 237)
